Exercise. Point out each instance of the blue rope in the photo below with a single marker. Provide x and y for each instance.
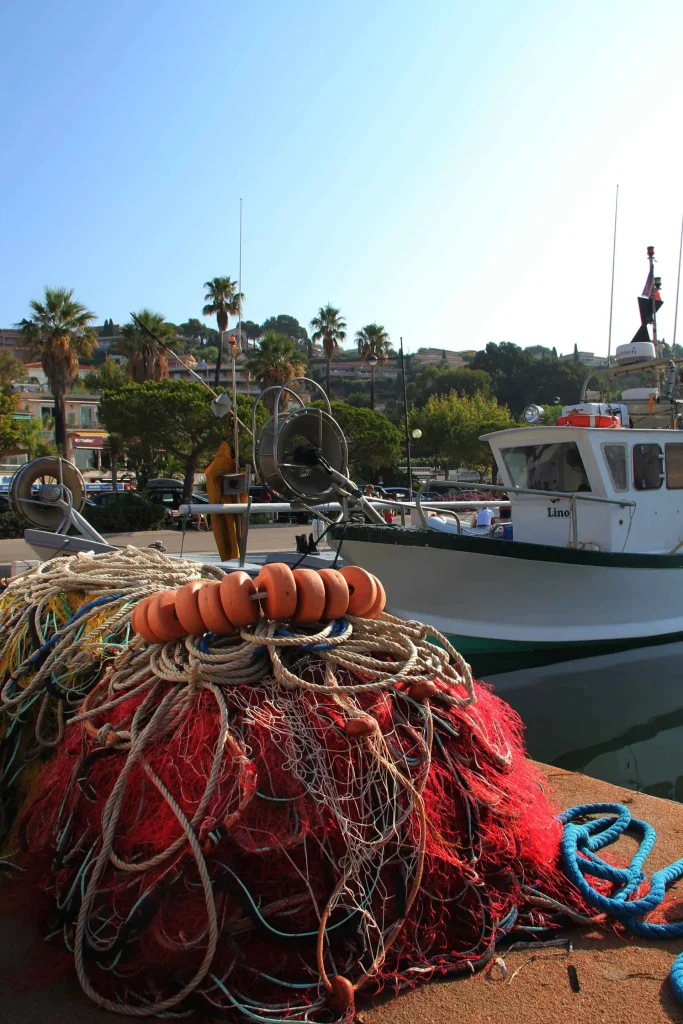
(580, 843)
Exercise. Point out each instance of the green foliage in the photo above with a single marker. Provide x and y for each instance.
(9, 427)
(373, 441)
(146, 358)
(283, 324)
(173, 416)
(131, 512)
(11, 370)
(109, 377)
(517, 379)
(373, 340)
(31, 440)
(208, 353)
(330, 329)
(276, 360)
(432, 380)
(359, 398)
(451, 426)
(10, 526)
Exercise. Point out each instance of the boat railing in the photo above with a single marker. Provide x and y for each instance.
(572, 496)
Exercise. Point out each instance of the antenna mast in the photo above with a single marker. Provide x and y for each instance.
(611, 296)
(678, 286)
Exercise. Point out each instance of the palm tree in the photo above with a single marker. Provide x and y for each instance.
(146, 359)
(373, 340)
(223, 300)
(59, 330)
(276, 360)
(330, 328)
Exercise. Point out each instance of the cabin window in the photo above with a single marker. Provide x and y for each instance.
(615, 457)
(674, 466)
(648, 471)
(547, 467)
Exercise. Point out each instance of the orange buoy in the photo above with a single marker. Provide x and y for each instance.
(237, 589)
(362, 589)
(336, 594)
(380, 601)
(310, 596)
(363, 726)
(187, 607)
(423, 690)
(340, 995)
(211, 609)
(278, 581)
(163, 619)
(140, 623)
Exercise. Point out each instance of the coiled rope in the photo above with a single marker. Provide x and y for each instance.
(581, 842)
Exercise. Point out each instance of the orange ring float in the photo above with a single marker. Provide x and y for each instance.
(340, 995)
(187, 607)
(380, 601)
(362, 589)
(310, 596)
(336, 593)
(212, 611)
(162, 617)
(277, 580)
(236, 590)
(140, 623)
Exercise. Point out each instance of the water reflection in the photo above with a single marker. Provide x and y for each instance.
(618, 717)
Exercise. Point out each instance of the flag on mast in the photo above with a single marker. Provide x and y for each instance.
(645, 303)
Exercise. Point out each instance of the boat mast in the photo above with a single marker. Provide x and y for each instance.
(611, 296)
(678, 286)
(405, 419)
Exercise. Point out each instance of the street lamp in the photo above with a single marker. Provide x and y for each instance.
(372, 361)
(417, 433)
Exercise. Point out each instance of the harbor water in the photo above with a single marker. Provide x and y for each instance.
(618, 717)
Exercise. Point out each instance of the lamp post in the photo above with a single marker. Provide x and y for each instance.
(372, 363)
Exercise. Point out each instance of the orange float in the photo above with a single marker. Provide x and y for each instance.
(236, 591)
(277, 580)
(362, 589)
(140, 623)
(310, 596)
(336, 593)
(340, 995)
(423, 690)
(380, 601)
(212, 611)
(163, 619)
(187, 607)
(363, 726)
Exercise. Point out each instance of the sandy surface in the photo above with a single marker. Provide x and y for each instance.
(621, 981)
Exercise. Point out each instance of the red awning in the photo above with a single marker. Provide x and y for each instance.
(89, 440)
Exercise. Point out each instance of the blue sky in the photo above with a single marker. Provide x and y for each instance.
(446, 169)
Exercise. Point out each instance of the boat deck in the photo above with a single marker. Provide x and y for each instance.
(621, 980)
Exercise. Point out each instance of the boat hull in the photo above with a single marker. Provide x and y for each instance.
(506, 604)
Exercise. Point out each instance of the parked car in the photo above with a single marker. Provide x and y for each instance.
(169, 493)
(397, 493)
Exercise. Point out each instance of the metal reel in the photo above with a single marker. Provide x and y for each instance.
(287, 448)
(38, 488)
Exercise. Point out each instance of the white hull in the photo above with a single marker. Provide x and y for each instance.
(520, 600)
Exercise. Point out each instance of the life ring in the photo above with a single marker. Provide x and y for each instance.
(336, 594)
(211, 610)
(163, 618)
(277, 580)
(310, 596)
(236, 593)
(187, 607)
(581, 420)
(362, 589)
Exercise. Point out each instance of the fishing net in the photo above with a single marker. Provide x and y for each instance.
(268, 824)
(60, 624)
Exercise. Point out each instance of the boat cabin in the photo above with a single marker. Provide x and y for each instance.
(636, 475)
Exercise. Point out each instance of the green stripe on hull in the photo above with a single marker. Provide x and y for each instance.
(490, 657)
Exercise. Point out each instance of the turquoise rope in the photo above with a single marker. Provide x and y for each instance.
(580, 843)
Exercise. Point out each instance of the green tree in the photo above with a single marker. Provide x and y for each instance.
(146, 358)
(172, 416)
(452, 425)
(60, 331)
(431, 380)
(276, 360)
(9, 427)
(372, 440)
(576, 353)
(285, 324)
(209, 353)
(252, 330)
(31, 437)
(329, 328)
(222, 300)
(12, 370)
(518, 379)
(373, 340)
(109, 376)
